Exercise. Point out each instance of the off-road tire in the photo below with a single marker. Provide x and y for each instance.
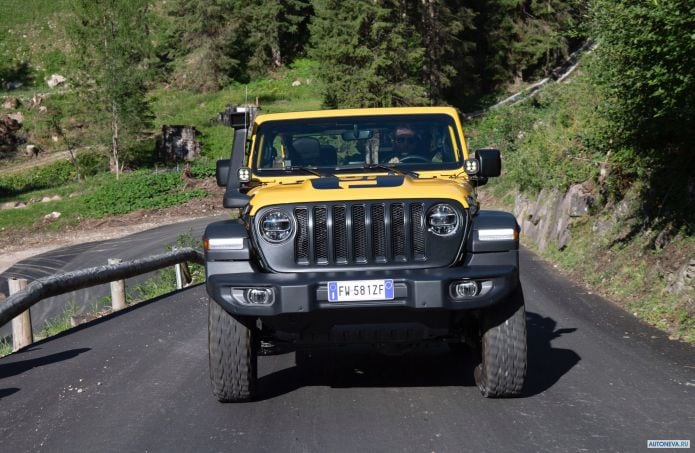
(502, 371)
(233, 351)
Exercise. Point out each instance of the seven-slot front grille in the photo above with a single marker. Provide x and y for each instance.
(379, 232)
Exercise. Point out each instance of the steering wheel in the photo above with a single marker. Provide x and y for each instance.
(414, 158)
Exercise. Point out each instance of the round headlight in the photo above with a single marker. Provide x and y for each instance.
(442, 220)
(276, 226)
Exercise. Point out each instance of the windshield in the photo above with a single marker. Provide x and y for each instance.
(423, 142)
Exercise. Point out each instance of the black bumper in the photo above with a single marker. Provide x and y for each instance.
(422, 289)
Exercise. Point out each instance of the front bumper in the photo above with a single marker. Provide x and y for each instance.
(421, 289)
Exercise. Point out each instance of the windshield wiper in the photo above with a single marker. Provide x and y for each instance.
(304, 169)
(391, 168)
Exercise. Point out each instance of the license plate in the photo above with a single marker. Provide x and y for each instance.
(356, 290)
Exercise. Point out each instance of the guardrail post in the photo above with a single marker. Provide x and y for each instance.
(117, 290)
(22, 334)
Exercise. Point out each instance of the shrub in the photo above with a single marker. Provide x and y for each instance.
(44, 177)
(91, 164)
(139, 190)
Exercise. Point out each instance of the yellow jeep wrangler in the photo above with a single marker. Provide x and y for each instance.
(361, 226)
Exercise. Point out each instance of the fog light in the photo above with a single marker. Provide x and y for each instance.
(467, 289)
(254, 296)
(259, 296)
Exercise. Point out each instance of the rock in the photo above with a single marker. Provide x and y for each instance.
(580, 200)
(684, 278)
(20, 204)
(56, 198)
(14, 85)
(52, 216)
(10, 136)
(296, 83)
(8, 205)
(43, 109)
(17, 116)
(33, 151)
(11, 103)
(56, 80)
(35, 101)
(55, 138)
(664, 237)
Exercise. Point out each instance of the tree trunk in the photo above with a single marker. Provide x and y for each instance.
(114, 139)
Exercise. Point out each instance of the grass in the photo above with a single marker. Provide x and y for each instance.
(97, 197)
(32, 39)
(61, 323)
(5, 347)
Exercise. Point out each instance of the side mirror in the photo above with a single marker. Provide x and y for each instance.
(222, 173)
(489, 161)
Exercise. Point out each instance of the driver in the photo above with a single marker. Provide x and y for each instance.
(406, 143)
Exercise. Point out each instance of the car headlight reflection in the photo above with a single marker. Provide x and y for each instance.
(443, 220)
(276, 226)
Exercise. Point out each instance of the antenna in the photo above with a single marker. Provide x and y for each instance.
(246, 113)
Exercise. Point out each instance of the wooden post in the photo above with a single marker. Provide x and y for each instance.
(179, 275)
(22, 335)
(117, 290)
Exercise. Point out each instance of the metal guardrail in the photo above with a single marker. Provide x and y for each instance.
(55, 285)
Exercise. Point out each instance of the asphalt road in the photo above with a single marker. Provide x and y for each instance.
(138, 381)
(139, 245)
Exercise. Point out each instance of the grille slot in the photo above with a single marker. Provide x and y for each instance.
(378, 233)
(361, 233)
(398, 232)
(320, 235)
(301, 241)
(340, 247)
(417, 225)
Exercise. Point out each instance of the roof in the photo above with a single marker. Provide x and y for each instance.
(356, 112)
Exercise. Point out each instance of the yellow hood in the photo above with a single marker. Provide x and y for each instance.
(351, 188)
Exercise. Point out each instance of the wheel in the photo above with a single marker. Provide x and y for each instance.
(458, 348)
(233, 350)
(502, 370)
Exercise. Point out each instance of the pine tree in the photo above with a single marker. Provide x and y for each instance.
(111, 44)
(447, 55)
(369, 53)
(207, 41)
(277, 32)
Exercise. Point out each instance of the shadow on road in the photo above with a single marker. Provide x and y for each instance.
(8, 392)
(21, 366)
(431, 365)
(546, 364)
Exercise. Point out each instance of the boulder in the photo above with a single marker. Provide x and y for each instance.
(296, 83)
(11, 103)
(684, 278)
(10, 135)
(33, 151)
(52, 216)
(17, 116)
(55, 80)
(579, 199)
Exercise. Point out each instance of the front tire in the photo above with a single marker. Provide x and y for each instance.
(233, 351)
(502, 371)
